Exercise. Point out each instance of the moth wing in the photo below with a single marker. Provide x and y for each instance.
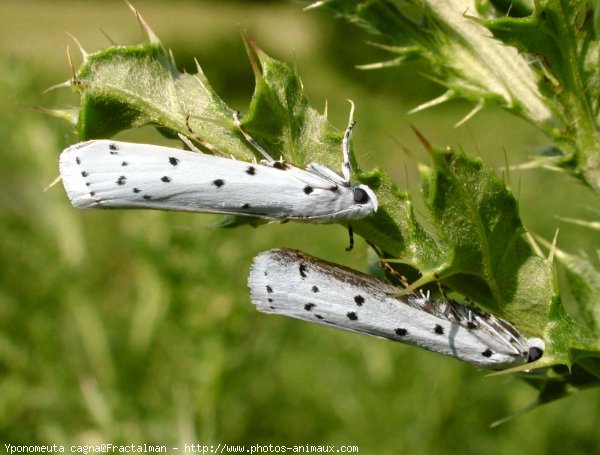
(326, 173)
(112, 174)
(297, 285)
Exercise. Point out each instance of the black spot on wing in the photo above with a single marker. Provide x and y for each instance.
(246, 206)
(77, 160)
(218, 183)
(438, 329)
(487, 353)
(147, 197)
(315, 289)
(359, 299)
(352, 315)
(309, 306)
(84, 174)
(173, 161)
(280, 165)
(401, 332)
(269, 289)
(251, 170)
(124, 163)
(302, 268)
(165, 179)
(121, 180)
(308, 189)
(113, 149)
(137, 190)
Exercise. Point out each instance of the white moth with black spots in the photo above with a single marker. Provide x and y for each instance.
(111, 174)
(297, 285)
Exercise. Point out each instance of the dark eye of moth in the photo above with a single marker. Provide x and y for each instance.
(534, 354)
(360, 196)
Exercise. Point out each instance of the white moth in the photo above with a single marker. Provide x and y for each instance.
(297, 285)
(110, 174)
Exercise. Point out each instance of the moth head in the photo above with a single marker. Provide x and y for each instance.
(536, 349)
(365, 201)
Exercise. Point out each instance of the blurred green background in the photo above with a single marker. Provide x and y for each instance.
(136, 326)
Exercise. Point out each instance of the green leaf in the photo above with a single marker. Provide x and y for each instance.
(514, 8)
(584, 281)
(461, 54)
(542, 66)
(560, 382)
(488, 259)
(131, 86)
(574, 355)
(560, 33)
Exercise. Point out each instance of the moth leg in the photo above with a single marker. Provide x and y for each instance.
(211, 148)
(189, 143)
(392, 272)
(441, 287)
(250, 139)
(446, 301)
(351, 238)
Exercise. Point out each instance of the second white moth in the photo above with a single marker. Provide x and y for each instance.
(294, 284)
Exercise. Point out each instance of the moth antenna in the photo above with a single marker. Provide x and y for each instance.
(346, 167)
(250, 139)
